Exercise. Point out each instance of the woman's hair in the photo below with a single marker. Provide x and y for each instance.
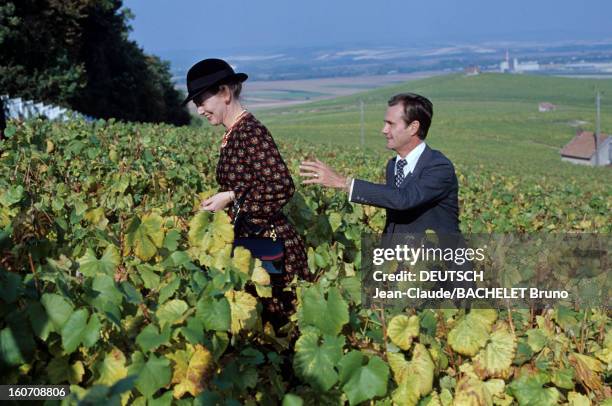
(235, 88)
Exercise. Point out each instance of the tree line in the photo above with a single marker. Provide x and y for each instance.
(77, 54)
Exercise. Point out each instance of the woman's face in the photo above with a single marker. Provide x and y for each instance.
(212, 106)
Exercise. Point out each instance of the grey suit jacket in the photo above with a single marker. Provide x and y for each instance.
(426, 199)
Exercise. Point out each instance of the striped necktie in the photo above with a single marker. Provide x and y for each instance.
(399, 172)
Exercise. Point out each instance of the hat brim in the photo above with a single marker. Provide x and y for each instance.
(240, 76)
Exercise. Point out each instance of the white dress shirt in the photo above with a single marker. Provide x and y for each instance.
(411, 160)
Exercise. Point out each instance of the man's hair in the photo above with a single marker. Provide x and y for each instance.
(416, 107)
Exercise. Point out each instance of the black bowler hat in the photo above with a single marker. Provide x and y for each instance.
(207, 73)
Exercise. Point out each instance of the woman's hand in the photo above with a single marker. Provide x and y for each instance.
(323, 175)
(217, 202)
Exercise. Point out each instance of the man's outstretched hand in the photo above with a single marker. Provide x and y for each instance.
(321, 174)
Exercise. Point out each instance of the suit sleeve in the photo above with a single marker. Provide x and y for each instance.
(269, 185)
(434, 183)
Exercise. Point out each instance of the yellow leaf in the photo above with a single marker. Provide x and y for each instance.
(578, 399)
(242, 259)
(399, 366)
(402, 329)
(472, 392)
(197, 372)
(260, 276)
(263, 291)
(496, 358)
(223, 230)
(96, 217)
(112, 368)
(181, 363)
(587, 370)
(77, 370)
(243, 311)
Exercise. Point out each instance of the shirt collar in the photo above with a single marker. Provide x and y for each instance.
(414, 154)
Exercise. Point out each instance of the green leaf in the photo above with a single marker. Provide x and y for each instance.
(145, 236)
(58, 309)
(12, 195)
(563, 378)
(171, 241)
(215, 314)
(362, 382)
(162, 400)
(171, 312)
(154, 374)
(10, 286)
(40, 322)
(316, 357)
(91, 335)
(90, 265)
(292, 400)
(107, 290)
(335, 220)
(197, 228)
(60, 370)
(168, 289)
(402, 329)
(148, 276)
(327, 314)
(10, 351)
(194, 330)
(131, 294)
(74, 330)
(150, 338)
(529, 391)
(536, 339)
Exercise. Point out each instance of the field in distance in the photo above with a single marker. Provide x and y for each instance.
(490, 120)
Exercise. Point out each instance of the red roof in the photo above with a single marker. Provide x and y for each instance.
(582, 145)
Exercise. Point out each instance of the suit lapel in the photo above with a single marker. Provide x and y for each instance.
(418, 167)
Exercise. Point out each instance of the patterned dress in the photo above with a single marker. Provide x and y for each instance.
(251, 165)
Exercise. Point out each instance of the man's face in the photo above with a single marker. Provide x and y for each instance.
(399, 135)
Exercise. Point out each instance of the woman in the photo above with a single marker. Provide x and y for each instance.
(250, 169)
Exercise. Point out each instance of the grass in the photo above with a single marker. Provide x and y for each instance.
(490, 120)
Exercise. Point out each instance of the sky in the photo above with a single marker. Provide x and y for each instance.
(243, 25)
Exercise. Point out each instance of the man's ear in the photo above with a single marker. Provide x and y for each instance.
(414, 127)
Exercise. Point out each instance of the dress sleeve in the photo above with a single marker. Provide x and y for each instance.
(267, 184)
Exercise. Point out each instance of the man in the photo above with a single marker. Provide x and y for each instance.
(421, 186)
